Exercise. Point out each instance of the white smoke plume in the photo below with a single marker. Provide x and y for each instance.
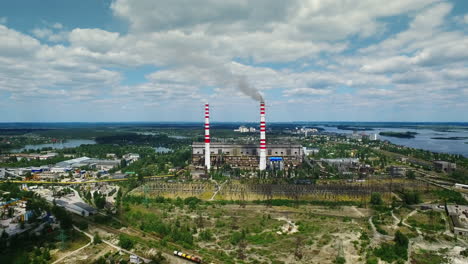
(185, 56)
(245, 88)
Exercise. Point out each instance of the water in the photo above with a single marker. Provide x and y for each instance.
(162, 150)
(177, 137)
(423, 140)
(71, 143)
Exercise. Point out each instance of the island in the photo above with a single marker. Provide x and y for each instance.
(450, 138)
(407, 134)
(353, 128)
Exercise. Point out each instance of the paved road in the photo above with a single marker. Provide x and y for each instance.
(85, 182)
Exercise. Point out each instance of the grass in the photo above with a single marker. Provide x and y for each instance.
(427, 257)
(259, 224)
(431, 221)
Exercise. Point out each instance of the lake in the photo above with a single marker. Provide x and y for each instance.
(71, 143)
(423, 140)
(162, 150)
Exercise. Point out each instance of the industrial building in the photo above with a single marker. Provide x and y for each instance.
(459, 216)
(85, 161)
(78, 208)
(396, 171)
(245, 156)
(444, 166)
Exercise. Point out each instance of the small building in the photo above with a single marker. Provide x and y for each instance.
(310, 151)
(343, 164)
(134, 259)
(118, 176)
(47, 176)
(444, 166)
(396, 171)
(461, 186)
(47, 156)
(131, 157)
(111, 155)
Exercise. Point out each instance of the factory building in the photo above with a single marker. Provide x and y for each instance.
(246, 156)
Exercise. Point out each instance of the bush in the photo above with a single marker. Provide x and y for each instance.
(394, 252)
(376, 199)
(82, 225)
(372, 260)
(339, 260)
(411, 197)
(125, 242)
(97, 239)
(236, 237)
(206, 235)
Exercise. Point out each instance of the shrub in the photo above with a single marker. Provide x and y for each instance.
(125, 241)
(339, 260)
(376, 199)
(97, 239)
(206, 235)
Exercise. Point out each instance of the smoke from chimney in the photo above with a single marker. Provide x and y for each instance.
(244, 87)
(186, 57)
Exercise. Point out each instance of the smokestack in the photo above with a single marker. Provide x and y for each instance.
(207, 137)
(262, 165)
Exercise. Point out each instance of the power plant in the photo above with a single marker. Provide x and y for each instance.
(245, 156)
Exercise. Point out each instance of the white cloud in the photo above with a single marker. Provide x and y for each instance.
(93, 39)
(42, 32)
(15, 44)
(3, 20)
(306, 92)
(57, 26)
(302, 50)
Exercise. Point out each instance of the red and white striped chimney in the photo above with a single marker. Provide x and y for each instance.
(262, 165)
(207, 137)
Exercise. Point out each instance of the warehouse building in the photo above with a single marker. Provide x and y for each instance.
(85, 161)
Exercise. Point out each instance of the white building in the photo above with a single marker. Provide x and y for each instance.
(47, 156)
(131, 157)
(244, 129)
(111, 155)
(461, 186)
(310, 151)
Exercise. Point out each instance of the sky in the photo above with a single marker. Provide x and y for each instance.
(311, 60)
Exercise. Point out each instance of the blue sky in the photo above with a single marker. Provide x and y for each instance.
(335, 60)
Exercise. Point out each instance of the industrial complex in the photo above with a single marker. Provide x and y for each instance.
(245, 156)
